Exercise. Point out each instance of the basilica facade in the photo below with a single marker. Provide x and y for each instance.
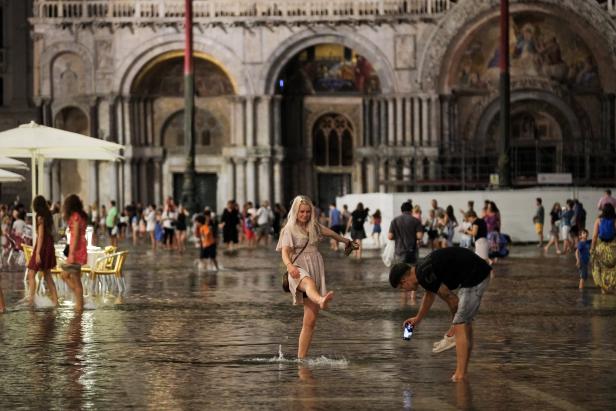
(324, 98)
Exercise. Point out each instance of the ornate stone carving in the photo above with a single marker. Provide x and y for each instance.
(405, 51)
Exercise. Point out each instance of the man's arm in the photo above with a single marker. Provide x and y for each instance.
(426, 303)
(450, 298)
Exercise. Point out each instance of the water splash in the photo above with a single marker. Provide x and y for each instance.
(321, 361)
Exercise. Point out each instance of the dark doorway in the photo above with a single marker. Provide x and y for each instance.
(205, 189)
(330, 186)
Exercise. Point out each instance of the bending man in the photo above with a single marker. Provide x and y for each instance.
(439, 273)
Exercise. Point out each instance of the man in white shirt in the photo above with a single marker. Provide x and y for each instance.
(264, 219)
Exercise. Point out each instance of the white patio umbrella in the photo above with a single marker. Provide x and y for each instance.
(41, 142)
(12, 164)
(10, 177)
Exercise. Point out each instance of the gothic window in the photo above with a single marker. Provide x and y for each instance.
(208, 129)
(333, 141)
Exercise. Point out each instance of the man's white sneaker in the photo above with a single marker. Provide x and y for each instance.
(445, 344)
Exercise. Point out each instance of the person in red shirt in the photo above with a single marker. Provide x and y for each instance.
(76, 220)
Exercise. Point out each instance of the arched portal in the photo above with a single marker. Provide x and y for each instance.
(332, 137)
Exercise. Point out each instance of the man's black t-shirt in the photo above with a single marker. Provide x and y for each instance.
(482, 228)
(454, 266)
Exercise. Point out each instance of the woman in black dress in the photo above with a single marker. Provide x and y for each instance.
(180, 229)
(229, 222)
(356, 223)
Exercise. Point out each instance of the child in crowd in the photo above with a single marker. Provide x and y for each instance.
(582, 256)
(466, 241)
(207, 234)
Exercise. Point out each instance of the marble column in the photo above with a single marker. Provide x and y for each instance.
(408, 124)
(240, 182)
(445, 123)
(127, 117)
(425, 121)
(278, 181)
(366, 122)
(158, 180)
(382, 176)
(375, 130)
(251, 180)
(371, 177)
(135, 171)
(399, 121)
(391, 126)
(264, 121)
(56, 192)
(250, 121)
(113, 188)
(419, 174)
(416, 122)
(393, 176)
(238, 125)
(406, 174)
(93, 182)
(277, 122)
(128, 181)
(143, 183)
(229, 180)
(383, 121)
(435, 124)
(265, 178)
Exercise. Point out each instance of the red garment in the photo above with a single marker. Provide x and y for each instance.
(80, 252)
(47, 253)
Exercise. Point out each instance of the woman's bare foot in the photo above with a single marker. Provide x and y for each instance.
(458, 377)
(324, 302)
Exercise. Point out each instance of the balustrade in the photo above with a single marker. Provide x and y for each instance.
(232, 11)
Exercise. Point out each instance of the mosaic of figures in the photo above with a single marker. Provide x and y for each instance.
(328, 68)
(540, 46)
(167, 79)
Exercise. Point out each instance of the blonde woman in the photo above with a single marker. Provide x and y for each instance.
(305, 268)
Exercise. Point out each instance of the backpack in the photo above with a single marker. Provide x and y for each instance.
(606, 229)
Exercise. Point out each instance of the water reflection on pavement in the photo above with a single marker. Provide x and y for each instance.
(185, 339)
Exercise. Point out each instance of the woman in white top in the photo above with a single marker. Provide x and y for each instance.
(150, 224)
(306, 269)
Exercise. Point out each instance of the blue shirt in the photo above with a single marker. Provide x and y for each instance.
(335, 217)
(584, 251)
(566, 218)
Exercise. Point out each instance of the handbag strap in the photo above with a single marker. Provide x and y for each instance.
(300, 251)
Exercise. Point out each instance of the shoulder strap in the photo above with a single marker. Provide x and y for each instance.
(300, 251)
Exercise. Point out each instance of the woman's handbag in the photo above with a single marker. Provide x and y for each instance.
(285, 272)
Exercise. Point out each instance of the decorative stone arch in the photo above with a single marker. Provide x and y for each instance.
(74, 107)
(561, 110)
(51, 53)
(585, 17)
(313, 117)
(146, 52)
(300, 41)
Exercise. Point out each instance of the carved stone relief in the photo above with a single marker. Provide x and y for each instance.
(68, 76)
(405, 51)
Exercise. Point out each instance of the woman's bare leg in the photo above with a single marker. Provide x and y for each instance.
(74, 283)
(31, 286)
(51, 286)
(311, 311)
(308, 286)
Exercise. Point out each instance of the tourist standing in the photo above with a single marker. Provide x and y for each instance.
(76, 220)
(248, 224)
(298, 244)
(376, 228)
(111, 221)
(207, 234)
(229, 222)
(582, 256)
(539, 219)
(43, 253)
(150, 225)
(356, 224)
(479, 232)
(603, 249)
(335, 224)
(565, 226)
(448, 222)
(606, 199)
(168, 222)
(180, 228)
(264, 220)
(555, 214)
(406, 231)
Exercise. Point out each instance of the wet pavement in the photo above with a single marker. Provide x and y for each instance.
(189, 339)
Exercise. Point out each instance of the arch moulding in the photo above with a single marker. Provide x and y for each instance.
(469, 15)
(295, 44)
(146, 52)
(54, 51)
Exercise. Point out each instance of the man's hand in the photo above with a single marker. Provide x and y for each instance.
(293, 271)
(414, 321)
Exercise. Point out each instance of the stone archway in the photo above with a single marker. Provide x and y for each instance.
(295, 44)
(585, 18)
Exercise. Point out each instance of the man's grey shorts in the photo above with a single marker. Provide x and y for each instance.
(263, 229)
(469, 300)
